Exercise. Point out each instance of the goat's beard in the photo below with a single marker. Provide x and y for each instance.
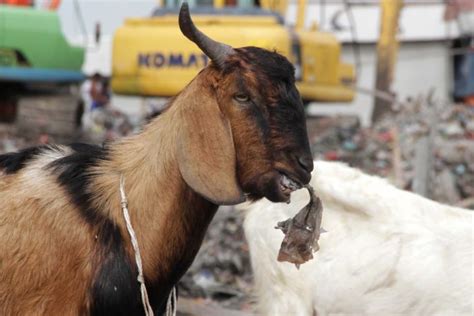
(266, 185)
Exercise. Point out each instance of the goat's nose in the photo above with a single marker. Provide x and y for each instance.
(306, 162)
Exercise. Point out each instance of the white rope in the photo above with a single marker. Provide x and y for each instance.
(171, 303)
(138, 259)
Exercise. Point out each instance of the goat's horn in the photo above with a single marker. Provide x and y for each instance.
(216, 51)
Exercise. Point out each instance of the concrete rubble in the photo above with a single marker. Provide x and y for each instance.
(388, 148)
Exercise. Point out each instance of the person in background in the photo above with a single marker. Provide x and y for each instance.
(99, 92)
(96, 99)
(462, 12)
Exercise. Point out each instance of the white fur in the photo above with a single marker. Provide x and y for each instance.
(387, 252)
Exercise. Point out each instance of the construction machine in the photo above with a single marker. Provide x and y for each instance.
(39, 71)
(151, 58)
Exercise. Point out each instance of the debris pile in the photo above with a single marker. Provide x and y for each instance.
(221, 271)
(343, 139)
(389, 148)
(454, 157)
(105, 124)
(10, 141)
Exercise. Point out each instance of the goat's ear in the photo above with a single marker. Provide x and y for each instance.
(206, 153)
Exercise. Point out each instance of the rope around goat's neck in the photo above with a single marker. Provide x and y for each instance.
(171, 303)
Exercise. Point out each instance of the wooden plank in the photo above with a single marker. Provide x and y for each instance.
(397, 159)
(387, 49)
(422, 165)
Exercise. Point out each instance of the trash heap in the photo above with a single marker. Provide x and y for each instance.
(343, 139)
(102, 126)
(389, 148)
(107, 124)
(221, 271)
(454, 157)
(10, 141)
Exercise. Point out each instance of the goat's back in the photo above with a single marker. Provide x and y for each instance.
(387, 251)
(43, 246)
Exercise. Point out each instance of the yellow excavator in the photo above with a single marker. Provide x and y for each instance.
(152, 59)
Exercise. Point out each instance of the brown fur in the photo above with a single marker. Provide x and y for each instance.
(203, 143)
(44, 259)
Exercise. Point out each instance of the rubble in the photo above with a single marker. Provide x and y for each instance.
(106, 124)
(221, 271)
(375, 150)
(445, 187)
(10, 141)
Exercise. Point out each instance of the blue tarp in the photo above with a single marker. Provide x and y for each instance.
(24, 74)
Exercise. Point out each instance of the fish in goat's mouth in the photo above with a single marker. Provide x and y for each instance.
(288, 185)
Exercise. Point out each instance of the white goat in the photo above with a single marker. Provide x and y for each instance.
(386, 252)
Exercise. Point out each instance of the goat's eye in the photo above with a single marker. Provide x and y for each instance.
(242, 97)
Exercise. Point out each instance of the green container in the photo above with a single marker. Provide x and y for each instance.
(32, 38)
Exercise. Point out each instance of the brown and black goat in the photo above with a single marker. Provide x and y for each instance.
(237, 130)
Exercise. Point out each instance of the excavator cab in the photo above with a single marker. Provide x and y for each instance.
(151, 58)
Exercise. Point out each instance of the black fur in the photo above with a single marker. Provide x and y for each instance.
(286, 115)
(115, 288)
(74, 175)
(13, 162)
(271, 65)
(278, 113)
(261, 121)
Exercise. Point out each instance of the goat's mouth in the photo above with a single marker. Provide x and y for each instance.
(276, 185)
(288, 185)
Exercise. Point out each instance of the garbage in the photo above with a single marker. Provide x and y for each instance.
(349, 145)
(445, 187)
(221, 271)
(388, 148)
(451, 129)
(106, 124)
(460, 169)
(9, 140)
